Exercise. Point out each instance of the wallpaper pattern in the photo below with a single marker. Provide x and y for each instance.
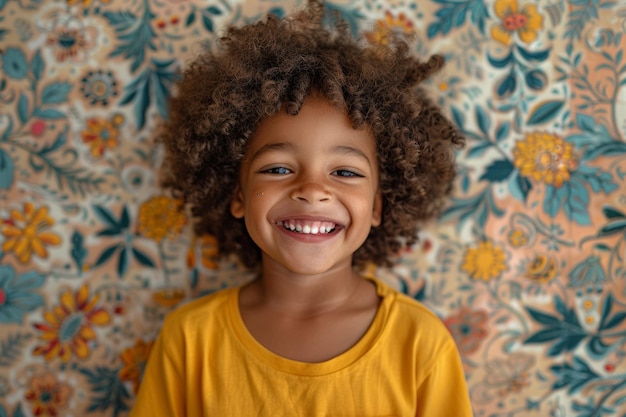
(526, 266)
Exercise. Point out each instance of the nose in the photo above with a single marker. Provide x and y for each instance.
(311, 192)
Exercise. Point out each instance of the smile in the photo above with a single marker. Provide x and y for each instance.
(308, 227)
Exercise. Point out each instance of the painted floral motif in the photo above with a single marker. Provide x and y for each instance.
(70, 39)
(484, 262)
(526, 22)
(469, 329)
(545, 158)
(26, 232)
(161, 217)
(208, 252)
(134, 360)
(169, 297)
(18, 295)
(98, 87)
(47, 396)
(391, 24)
(69, 327)
(101, 134)
(526, 263)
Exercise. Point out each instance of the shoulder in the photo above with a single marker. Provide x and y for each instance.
(200, 313)
(407, 316)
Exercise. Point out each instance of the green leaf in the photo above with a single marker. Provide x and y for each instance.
(7, 170)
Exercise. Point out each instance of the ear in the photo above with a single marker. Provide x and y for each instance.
(237, 204)
(377, 210)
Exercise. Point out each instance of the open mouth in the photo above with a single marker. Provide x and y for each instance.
(308, 227)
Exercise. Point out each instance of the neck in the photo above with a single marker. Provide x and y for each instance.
(304, 295)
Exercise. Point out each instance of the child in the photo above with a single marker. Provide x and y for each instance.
(309, 155)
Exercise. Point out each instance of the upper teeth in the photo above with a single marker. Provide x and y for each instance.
(309, 228)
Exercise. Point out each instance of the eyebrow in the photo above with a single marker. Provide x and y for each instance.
(281, 146)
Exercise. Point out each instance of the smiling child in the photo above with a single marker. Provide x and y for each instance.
(310, 155)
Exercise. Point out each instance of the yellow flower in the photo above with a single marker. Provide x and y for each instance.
(47, 395)
(135, 359)
(391, 24)
(69, 326)
(484, 262)
(525, 22)
(545, 157)
(26, 233)
(102, 134)
(541, 269)
(208, 252)
(169, 297)
(161, 216)
(517, 237)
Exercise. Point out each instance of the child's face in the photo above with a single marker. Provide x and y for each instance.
(309, 189)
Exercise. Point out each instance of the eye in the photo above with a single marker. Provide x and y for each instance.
(277, 171)
(346, 173)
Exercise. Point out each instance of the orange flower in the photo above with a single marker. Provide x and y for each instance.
(525, 22)
(47, 395)
(389, 26)
(484, 262)
(169, 297)
(70, 39)
(161, 216)
(102, 134)
(208, 252)
(26, 233)
(135, 359)
(69, 326)
(545, 157)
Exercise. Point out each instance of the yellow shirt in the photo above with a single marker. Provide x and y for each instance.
(206, 363)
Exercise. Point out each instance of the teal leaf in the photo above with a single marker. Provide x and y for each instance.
(60, 140)
(544, 112)
(55, 93)
(498, 171)
(207, 22)
(574, 376)
(125, 219)
(502, 131)
(478, 150)
(78, 251)
(482, 120)
(507, 86)
(106, 216)
(612, 213)
(7, 170)
(142, 258)
(49, 114)
(502, 62)
(533, 56)
(458, 118)
(106, 254)
(37, 65)
(7, 132)
(536, 79)
(22, 108)
(190, 19)
(520, 186)
(109, 391)
(14, 63)
(214, 10)
(123, 262)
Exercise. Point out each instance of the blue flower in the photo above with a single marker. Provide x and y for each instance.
(16, 294)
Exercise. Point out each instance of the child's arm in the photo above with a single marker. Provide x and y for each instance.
(444, 391)
(162, 389)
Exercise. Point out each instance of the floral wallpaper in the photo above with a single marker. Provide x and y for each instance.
(526, 265)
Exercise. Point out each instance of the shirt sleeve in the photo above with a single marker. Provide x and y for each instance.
(162, 389)
(444, 390)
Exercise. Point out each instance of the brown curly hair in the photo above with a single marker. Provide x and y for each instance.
(263, 68)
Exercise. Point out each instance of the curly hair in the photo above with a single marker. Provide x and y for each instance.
(274, 65)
